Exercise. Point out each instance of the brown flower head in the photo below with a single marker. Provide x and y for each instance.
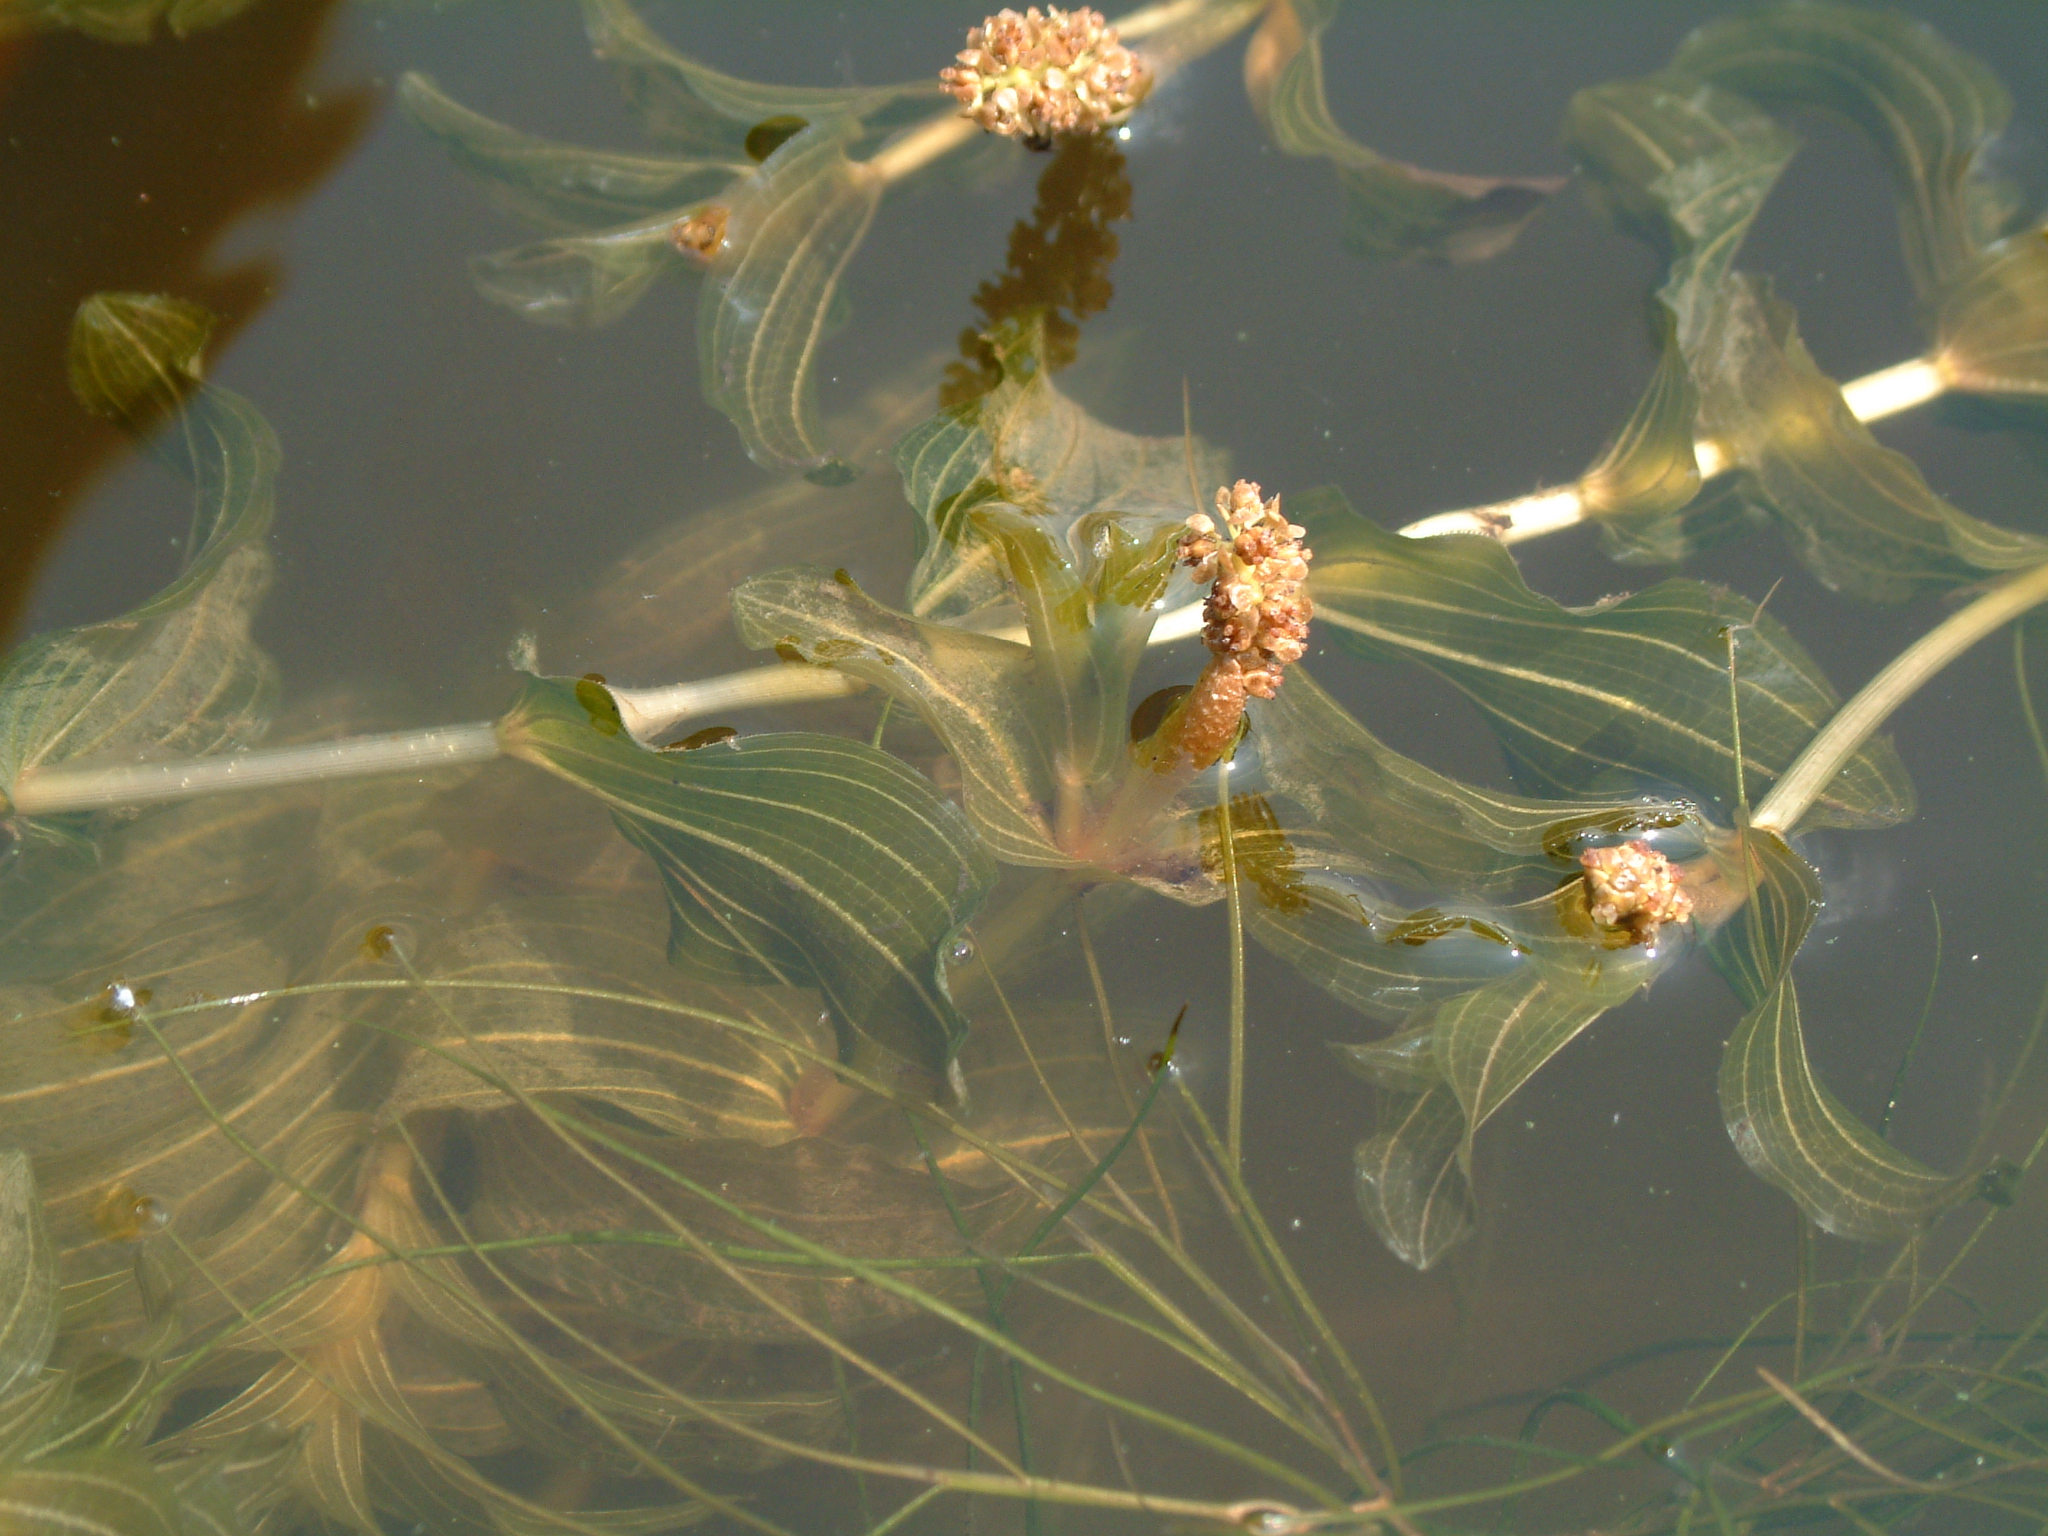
(1634, 886)
(1255, 564)
(1034, 75)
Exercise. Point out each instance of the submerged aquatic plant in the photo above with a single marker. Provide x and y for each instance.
(425, 1140)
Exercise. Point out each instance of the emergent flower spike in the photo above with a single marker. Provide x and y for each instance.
(1255, 621)
(1032, 76)
(1634, 886)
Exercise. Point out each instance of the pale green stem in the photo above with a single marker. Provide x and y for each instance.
(51, 791)
(1233, 1132)
(1839, 740)
(1870, 398)
(651, 712)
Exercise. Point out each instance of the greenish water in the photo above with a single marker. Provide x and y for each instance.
(454, 476)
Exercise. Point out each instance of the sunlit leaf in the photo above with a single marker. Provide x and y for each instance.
(1930, 108)
(1392, 211)
(1410, 1186)
(1860, 515)
(1783, 1121)
(792, 227)
(1992, 331)
(1027, 445)
(28, 1276)
(561, 186)
(696, 106)
(178, 676)
(796, 858)
(1620, 697)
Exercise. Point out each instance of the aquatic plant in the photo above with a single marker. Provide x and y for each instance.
(364, 1167)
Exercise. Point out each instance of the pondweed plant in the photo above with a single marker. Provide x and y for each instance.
(759, 1108)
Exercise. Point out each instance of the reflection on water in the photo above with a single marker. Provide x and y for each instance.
(867, 1113)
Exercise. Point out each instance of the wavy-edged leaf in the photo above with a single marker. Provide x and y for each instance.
(792, 228)
(1649, 472)
(1618, 697)
(92, 1493)
(1785, 1124)
(28, 1276)
(1992, 327)
(561, 186)
(694, 105)
(798, 858)
(178, 676)
(1860, 515)
(1025, 444)
(1393, 211)
(1395, 820)
(1930, 108)
(971, 688)
(1410, 1186)
(1688, 165)
(580, 281)
(1489, 1042)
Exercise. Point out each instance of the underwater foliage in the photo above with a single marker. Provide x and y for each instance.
(602, 1119)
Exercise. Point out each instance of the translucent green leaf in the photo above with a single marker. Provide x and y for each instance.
(1785, 1124)
(793, 226)
(974, 690)
(696, 106)
(1026, 445)
(178, 676)
(88, 1494)
(579, 280)
(1620, 697)
(1687, 165)
(1649, 471)
(1992, 329)
(28, 1276)
(1489, 1042)
(1860, 515)
(800, 858)
(1392, 211)
(561, 186)
(1394, 820)
(1410, 1186)
(136, 356)
(1930, 108)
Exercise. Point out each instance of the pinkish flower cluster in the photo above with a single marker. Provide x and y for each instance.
(1033, 75)
(1634, 886)
(1257, 614)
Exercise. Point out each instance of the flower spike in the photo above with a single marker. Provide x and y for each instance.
(1032, 76)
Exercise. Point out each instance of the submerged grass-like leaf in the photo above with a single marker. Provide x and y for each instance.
(792, 858)
(1393, 211)
(178, 676)
(1620, 697)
